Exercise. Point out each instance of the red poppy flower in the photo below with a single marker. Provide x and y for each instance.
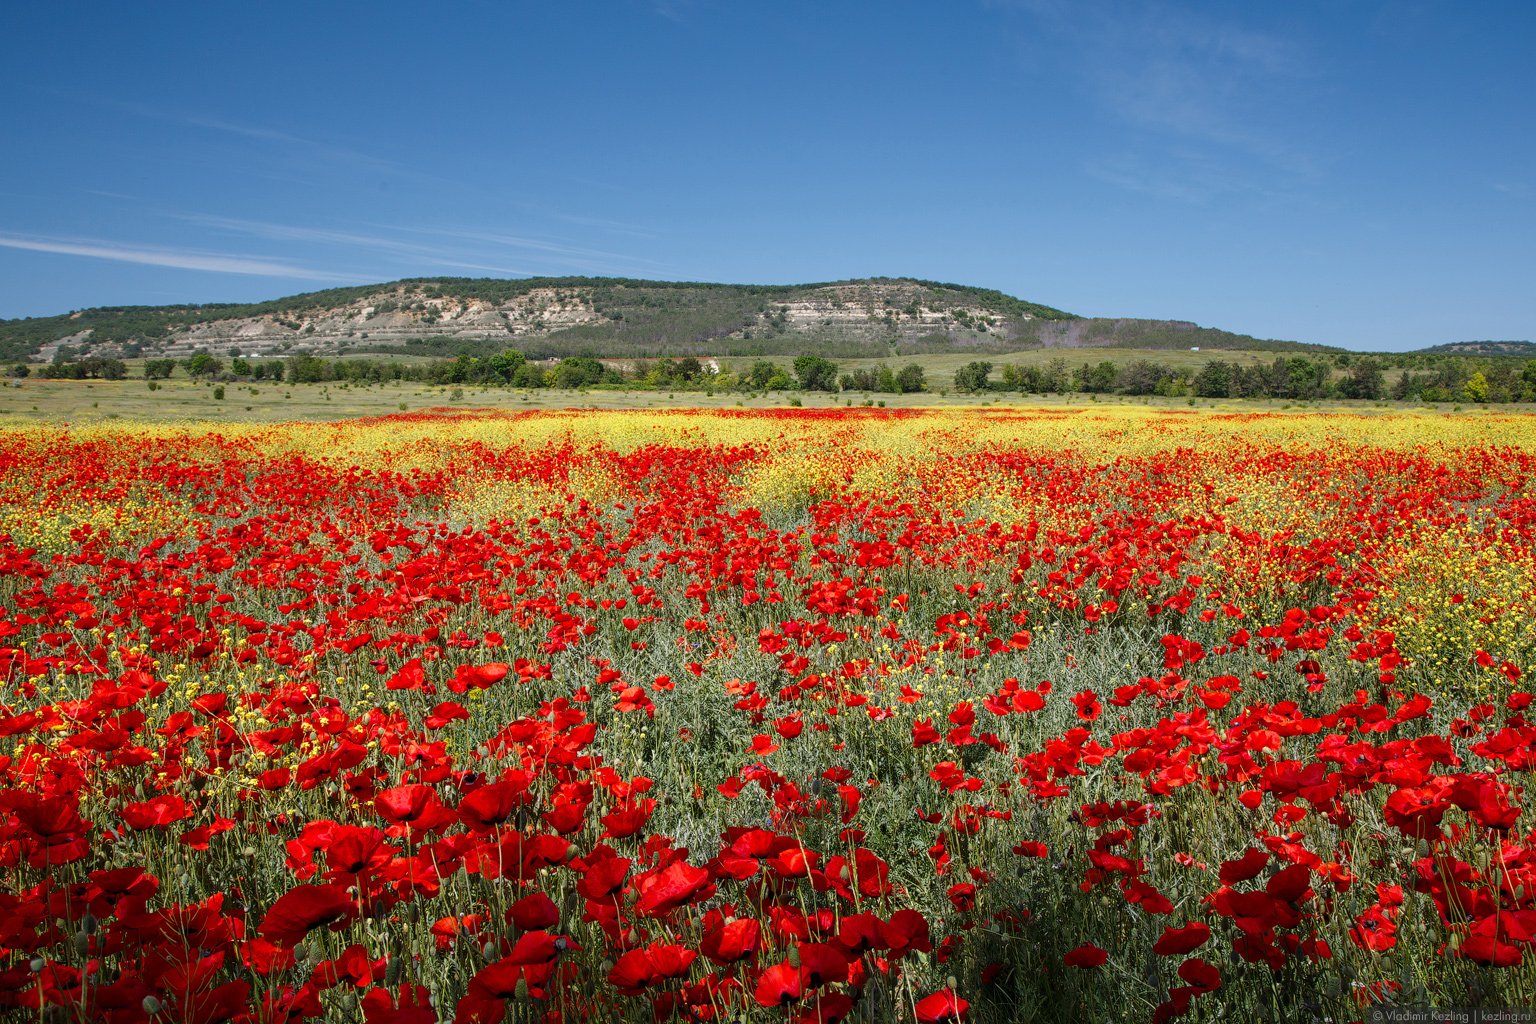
(779, 985)
(603, 879)
(671, 887)
(1244, 867)
(305, 907)
(1087, 704)
(640, 969)
(727, 942)
(415, 806)
(534, 911)
(943, 1007)
(821, 963)
(906, 932)
(490, 805)
(409, 677)
(1178, 941)
(157, 812)
(829, 1008)
(410, 1004)
(1200, 974)
(1086, 956)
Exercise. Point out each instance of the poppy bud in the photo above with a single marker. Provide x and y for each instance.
(150, 1005)
(521, 991)
(489, 950)
(794, 955)
(392, 972)
(88, 924)
(301, 953)
(37, 964)
(82, 943)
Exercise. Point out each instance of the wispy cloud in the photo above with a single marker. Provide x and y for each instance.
(563, 251)
(673, 10)
(485, 250)
(1178, 78)
(184, 259)
(282, 148)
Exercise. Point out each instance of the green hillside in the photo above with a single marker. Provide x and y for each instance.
(608, 317)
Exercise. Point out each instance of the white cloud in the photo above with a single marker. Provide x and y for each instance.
(184, 259)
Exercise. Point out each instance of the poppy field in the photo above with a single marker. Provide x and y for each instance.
(768, 716)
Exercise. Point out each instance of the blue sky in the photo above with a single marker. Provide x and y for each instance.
(1347, 172)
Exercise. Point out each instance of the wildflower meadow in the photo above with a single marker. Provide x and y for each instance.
(809, 715)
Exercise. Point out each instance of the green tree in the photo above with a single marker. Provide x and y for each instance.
(1364, 380)
(1144, 377)
(816, 374)
(1476, 388)
(578, 372)
(1216, 380)
(1095, 380)
(529, 375)
(910, 379)
(503, 366)
(203, 365)
(1057, 377)
(972, 377)
(307, 369)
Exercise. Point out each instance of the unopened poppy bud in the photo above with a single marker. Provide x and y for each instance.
(150, 1005)
(37, 964)
(794, 955)
(951, 983)
(521, 992)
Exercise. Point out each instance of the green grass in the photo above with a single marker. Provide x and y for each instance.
(81, 402)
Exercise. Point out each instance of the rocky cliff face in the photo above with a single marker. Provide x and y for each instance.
(864, 312)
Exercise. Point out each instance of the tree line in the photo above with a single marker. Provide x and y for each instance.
(1344, 375)
(1448, 379)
